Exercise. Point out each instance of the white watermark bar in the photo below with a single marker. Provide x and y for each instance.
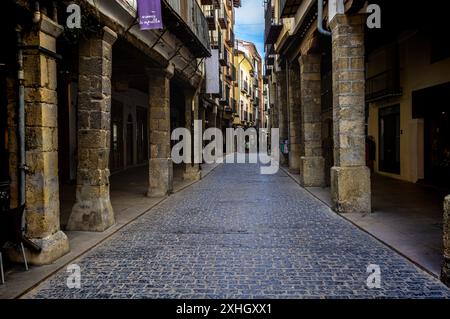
(237, 141)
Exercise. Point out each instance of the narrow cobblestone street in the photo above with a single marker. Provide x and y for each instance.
(240, 234)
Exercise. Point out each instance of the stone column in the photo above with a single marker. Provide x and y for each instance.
(294, 118)
(350, 178)
(192, 170)
(445, 272)
(273, 105)
(92, 210)
(41, 135)
(160, 163)
(282, 111)
(312, 172)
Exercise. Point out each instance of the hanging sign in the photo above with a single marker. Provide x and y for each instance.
(150, 14)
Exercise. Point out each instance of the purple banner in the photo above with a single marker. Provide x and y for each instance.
(150, 14)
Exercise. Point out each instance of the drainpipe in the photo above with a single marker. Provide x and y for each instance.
(320, 19)
(21, 118)
(22, 167)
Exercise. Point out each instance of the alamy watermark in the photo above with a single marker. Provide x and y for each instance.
(74, 16)
(242, 143)
(374, 279)
(374, 17)
(74, 278)
(74, 19)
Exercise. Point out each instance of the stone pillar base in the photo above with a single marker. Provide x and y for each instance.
(350, 189)
(161, 177)
(192, 173)
(312, 171)
(91, 213)
(53, 247)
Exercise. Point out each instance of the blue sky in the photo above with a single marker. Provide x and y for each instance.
(250, 23)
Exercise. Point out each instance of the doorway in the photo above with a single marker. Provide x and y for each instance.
(116, 153)
(433, 105)
(130, 140)
(389, 146)
(437, 146)
(141, 130)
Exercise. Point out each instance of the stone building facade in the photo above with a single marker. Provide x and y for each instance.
(353, 100)
(97, 99)
(218, 107)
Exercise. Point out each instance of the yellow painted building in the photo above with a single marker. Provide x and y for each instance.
(244, 92)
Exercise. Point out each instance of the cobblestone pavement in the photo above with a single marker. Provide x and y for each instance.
(239, 234)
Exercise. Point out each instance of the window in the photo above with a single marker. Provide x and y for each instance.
(389, 139)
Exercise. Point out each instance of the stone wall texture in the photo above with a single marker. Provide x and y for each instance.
(92, 210)
(160, 168)
(192, 170)
(350, 178)
(41, 144)
(312, 161)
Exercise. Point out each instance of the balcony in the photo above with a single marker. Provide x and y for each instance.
(210, 15)
(270, 49)
(229, 74)
(244, 87)
(214, 40)
(383, 85)
(270, 60)
(222, 16)
(233, 105)
(273, 26)
(223, 57)
(230, 39)
(225, 99)
(209, 2)
(189, 24)
(288, 8)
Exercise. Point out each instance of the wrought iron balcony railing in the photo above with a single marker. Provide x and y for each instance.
(273, 25)
(222, 16)
(223, 56)
(230, 39)
(244, 86)
(327, 92)
(195, 30)
(210, 15)
(383, 85)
